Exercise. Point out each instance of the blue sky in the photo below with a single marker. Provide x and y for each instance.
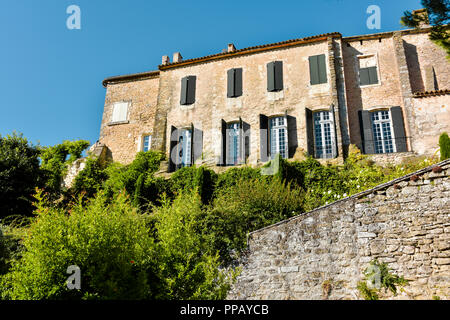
(50, 84)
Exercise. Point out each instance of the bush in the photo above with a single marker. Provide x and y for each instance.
(19, 175)
(89, 181)
(247, 206)
(444, 144)
(232, 176)
(109, 242)
(192, 178)
(189, 266)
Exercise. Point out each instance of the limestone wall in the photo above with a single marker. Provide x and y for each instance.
(405, 223)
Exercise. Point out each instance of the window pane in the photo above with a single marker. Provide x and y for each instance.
(146, 146)
(278, 137)
(382, 132)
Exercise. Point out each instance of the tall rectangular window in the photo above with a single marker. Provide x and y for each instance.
(188, 87)
(234, 83)
(184, 151)
(146, 143)
(278, 137)
(368, 71)
(324, 135)
(318, 69)
(383, 132)
(275, 76)
(234, 143)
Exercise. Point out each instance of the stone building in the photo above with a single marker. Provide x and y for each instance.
(387, 93)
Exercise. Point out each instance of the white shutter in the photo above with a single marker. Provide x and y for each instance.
(120, 112)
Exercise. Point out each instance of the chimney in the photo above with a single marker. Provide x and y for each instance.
(231, 48)
(177, 57)
(165, 60)
(423, 13)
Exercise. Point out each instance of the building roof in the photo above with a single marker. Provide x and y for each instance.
(254, 49)
(431, 93)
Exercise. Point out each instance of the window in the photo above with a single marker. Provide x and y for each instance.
(234, 83)
(188, 85)
(278, 137)
(120, 112)
(318, 69)
(382, 132)
(234, 143)
(146, 143)
(184, 148)
(275, 76)
(324, 135)
(368, 72)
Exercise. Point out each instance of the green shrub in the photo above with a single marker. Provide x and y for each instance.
(109, 242)
(89, 181)
(19, 175)
(247, 206)
(444, 144)
(192, 178)
(189, 266)
(232, 176)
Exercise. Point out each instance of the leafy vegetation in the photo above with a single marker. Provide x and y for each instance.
(444, 144)
(378, 276)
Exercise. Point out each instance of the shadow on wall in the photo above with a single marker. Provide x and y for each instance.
(415, 75)
(355, 103)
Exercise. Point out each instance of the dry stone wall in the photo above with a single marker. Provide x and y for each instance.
(404, 223)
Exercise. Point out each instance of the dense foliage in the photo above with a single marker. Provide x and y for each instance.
(19, 175)
(444, 144)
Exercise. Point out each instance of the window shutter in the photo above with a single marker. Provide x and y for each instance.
(184, 88)
(278, 66)
(271, 77)
(292, 135)
(238, 82)
(399, 129)
(334, 142)
(191, 89)
(364, 77)
(246, 141)
(223, 149)
(229, 147)
(173, 148)
(197, 144)
(309, 131)
(314, 70)
(120, 112)
(373, 75)
(322, 68)
(365, 122)
(230, 83)
(264, 137)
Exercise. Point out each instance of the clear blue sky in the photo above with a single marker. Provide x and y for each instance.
(50, 84)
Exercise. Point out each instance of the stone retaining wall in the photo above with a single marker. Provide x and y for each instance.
(405, 223)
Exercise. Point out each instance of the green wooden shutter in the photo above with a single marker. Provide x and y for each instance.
(238, 82)
(292, 135)
(278, 65)
(309, 131)
(373, 75)
(271, 77)
(364, 77)
(184, 88)
(173, 147)
(314, 70)
(223, 149)
(365, 123)
(230, 83)
(191, 86)
(399, 129)
(264, 137)
(322, 67)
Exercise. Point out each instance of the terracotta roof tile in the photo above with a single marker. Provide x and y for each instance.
(431, 93)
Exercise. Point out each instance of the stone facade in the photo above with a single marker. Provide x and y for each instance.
(404, 223)
(407, 64)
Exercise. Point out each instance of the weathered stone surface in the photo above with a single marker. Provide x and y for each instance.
(413, 242)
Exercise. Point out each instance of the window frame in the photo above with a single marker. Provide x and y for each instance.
(143, 142)
(363, 56)
(323, 122)
(277, 139)
(380, 123)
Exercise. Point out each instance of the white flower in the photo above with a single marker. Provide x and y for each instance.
(329, 191)
(358, 186)
(344, 195)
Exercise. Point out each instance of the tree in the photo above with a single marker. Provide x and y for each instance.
(444, 144)
(438, 16)
(19, 175)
